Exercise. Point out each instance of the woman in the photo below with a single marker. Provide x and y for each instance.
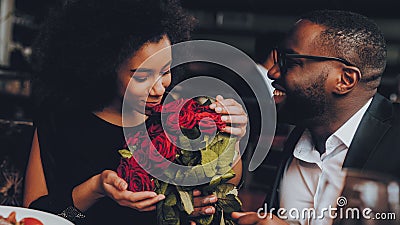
(85, 56)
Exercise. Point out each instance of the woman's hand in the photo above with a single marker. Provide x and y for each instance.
(116, 188)
(232, 113)
(109, 184)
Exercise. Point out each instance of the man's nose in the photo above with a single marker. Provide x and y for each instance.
(274, 72)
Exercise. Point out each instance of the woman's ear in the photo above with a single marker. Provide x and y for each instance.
(349, 78)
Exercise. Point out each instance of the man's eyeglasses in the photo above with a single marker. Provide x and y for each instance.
(281, 59)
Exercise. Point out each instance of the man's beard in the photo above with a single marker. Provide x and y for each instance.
(305, 104)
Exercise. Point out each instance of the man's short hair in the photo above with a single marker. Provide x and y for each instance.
(355, 38)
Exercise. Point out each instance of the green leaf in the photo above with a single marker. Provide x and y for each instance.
(195, 159)
(205, 220)
(224, 189)
(195, 174)
(180, 176)
(132, 148)
(220, 179)
(186, 199)
(208, 102)
(227, 152)
(204, 100)
(161, 187)
(171, 175)
(209, 162)
(216, 180)
(166, 215)
(223, 145)
(222, 218)
(230, 203)
(227, 201)
(190, 158)
(159, 211)
(229, 175)
(125, 153)
(234, 192)
(208, 156)
(170, 200)
(218, 138)
(169, 215)
(184, 142)
(191, 133)
(229, 222)
(209, 169)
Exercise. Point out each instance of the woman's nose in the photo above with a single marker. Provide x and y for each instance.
(158, 87)
(274, 72)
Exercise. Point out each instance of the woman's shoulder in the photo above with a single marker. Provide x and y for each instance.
(66, 119)
(59, 114)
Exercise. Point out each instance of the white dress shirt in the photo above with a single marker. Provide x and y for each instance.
(314, 181)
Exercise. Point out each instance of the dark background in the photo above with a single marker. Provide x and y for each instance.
(253, 26)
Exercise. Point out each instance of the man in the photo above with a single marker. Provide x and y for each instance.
(328, 71)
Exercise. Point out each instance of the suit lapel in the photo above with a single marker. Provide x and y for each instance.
(372, 128)
(287, 152)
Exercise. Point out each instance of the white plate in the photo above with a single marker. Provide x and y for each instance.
(44, 217)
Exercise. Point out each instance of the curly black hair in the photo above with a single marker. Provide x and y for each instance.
(354, 37)
(82, 43)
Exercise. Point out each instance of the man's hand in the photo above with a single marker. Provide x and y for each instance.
(202, 204)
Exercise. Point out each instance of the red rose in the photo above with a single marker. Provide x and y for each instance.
(154, 130)
(174, 106)
(207, 125)
(137, 178)
(123, 169)
(139, 141)
(154, 152)
(204, 108)
(142, 157)
(140, 180)
(155, 157)
(190, 105)
(165, 147)
(157, 108)
(161, 154)
(172, 123)
(170, 107)
(210, 122)
(135, 139)
(187, 117)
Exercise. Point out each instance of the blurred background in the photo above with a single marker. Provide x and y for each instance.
(253, 26)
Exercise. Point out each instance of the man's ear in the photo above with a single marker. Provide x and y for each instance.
(349, 78)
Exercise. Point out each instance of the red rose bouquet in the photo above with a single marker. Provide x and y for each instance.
(185, 133)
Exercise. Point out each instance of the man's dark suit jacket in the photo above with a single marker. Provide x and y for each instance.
(375, 146)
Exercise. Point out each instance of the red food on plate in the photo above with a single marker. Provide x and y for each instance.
(30, 221)
(11, 220)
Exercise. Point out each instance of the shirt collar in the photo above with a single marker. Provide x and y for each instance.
(305, 149)
(346, 132)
